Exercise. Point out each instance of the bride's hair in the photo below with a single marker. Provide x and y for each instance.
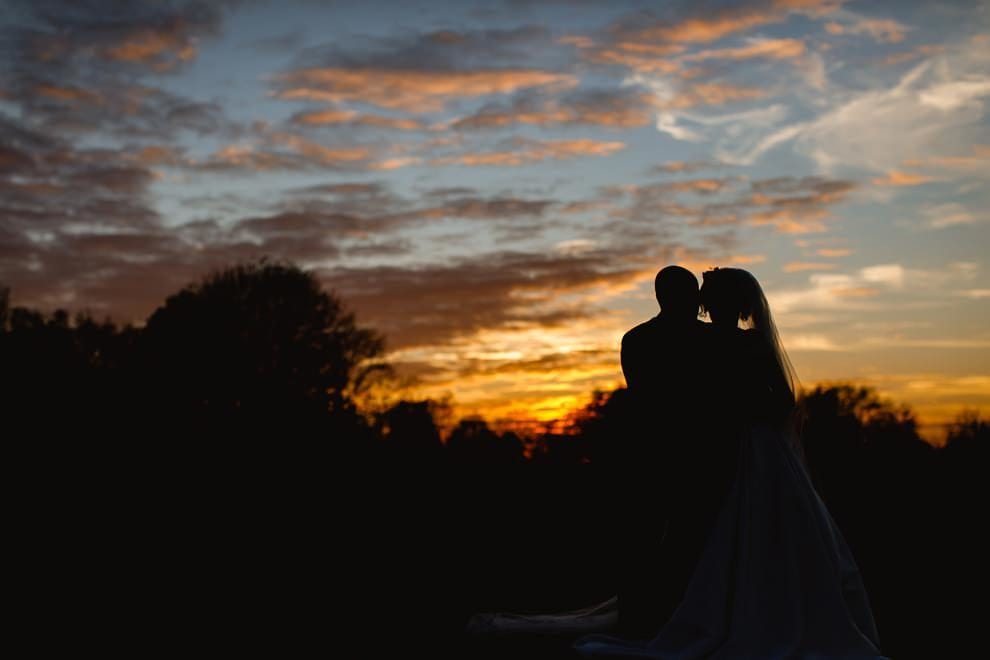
(734, 292)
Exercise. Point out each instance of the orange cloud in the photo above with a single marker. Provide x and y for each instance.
(898, 178)
(542, 117)
(812, 8)
(776, 49)
(799, 266)
(633, 60)
(162, 49)
(718, 24)
(301, 153)
(492, 158)
(395, 163)
(906, 56)
(680, 166)
(337, 116)
(389, 122)
(855, 292)
(791, 205)
(320, 153)
(66, 93)
(654, 49)
(710, 94)
(535, 151)
(745, 259)
(976, 159)
(696, 185)
(157, 155)
(712, 28)
(791, 221)
(332, 116)
(834, 252)
(414, 91)
(147, 46)
(577, 40)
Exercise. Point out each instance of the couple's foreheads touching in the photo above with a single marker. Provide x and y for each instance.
(727, 294)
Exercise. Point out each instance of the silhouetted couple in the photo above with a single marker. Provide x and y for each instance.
(673, 473)
(725, 548)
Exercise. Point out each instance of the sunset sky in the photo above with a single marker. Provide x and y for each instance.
(494, 185)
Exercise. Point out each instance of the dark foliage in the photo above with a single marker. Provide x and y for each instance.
(210, 471)
(259, 346)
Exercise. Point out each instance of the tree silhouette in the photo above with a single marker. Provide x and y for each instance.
(473, 442)
(259, 351)
(845, 425)
(409, 431)
(4, 308)
(969, 433)
(260, 344)
(60, 373)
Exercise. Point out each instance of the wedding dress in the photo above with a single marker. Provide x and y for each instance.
(775, 580)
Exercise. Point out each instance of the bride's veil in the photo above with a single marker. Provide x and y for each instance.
(761, 320)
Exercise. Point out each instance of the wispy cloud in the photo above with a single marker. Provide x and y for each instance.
(846, 291)
(949, 214)
(930, 108)
(790, 205)
(884, 30)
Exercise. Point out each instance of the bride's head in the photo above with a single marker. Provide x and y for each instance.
(731, 296)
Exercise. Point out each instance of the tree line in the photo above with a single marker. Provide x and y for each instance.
(254, 378)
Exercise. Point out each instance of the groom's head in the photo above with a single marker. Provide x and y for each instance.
(677, 293)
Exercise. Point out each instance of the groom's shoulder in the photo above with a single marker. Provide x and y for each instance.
(641, 331)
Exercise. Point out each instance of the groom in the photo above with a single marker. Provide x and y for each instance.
(672, 474)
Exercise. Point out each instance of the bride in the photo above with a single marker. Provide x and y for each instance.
(775, 578)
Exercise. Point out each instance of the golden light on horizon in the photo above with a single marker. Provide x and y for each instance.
(496, 199)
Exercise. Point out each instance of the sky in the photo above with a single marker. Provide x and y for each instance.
(494, 185)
